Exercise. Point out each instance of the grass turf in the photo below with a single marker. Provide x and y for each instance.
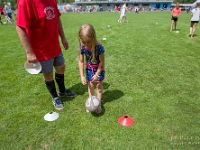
(152, 75)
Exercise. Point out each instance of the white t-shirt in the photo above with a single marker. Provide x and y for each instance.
(123, 12)
(195, 14)
(8, 9)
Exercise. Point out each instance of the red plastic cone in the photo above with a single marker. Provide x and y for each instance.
(125, 120)
(195, 39)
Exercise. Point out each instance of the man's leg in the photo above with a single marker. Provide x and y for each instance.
(47, 70)
(50, 84)
(59, 76)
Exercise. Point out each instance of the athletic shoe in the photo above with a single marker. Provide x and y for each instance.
(57, 103)
(67, 93)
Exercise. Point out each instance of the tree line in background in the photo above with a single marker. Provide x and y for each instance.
(13, 2)
(185, 1)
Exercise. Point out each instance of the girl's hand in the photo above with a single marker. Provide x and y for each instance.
(83, 80)
(94, 78)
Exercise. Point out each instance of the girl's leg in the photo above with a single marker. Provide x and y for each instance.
(172, 25)
(99, 95)
(99, 90)
(123, 18)
(175, 22)
(126, 20)
(120, 19)
(191, 28)
(194, 28)
(90, 89)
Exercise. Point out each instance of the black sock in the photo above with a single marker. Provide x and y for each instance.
(60, 81)
(52, 88)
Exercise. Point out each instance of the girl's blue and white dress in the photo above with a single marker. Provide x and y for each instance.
(92, 65)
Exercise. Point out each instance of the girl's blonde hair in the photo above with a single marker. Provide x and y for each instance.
(86, 32)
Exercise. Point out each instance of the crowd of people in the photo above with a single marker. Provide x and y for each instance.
(97, 8)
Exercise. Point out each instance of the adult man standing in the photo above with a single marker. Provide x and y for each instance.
(39, 28)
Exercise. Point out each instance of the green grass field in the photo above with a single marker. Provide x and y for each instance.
(152, 75)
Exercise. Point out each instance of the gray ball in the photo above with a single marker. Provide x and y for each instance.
(92, 103)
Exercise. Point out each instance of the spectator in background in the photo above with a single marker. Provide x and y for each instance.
(195, 19)
(176, 12)
(188, 9)
(8, 10)
(123, 13)
(118, 8)
(136, 10)
(1, 13)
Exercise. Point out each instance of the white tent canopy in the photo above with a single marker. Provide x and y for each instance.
(198, 1)
(192, 5)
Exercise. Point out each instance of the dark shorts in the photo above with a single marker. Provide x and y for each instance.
(175, 19)
(9, 15)
(47, 65)
(194, 21)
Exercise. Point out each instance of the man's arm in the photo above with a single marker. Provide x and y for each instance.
(62, 35)
(26, 44)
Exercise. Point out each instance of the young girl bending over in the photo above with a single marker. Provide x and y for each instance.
(94, 54)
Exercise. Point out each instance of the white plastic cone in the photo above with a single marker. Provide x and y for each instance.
(33, 68)
(51, 116)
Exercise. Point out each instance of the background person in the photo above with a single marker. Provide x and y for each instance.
(176, 12)
(195, 19)
(8, 10)
(94, 53)
(45, 47)
(1, 14)
(123, 13)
